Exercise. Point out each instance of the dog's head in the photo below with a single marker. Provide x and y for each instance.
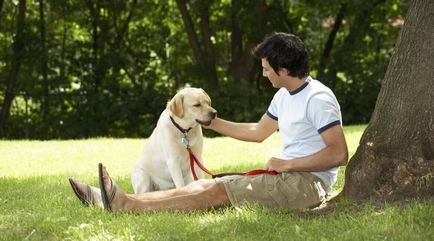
(192, 105)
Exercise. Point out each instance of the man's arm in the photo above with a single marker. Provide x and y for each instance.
(334, 154)
(253, 132)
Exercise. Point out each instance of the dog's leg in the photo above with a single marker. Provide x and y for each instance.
(141, 181)
(174, 165)
(189, 178)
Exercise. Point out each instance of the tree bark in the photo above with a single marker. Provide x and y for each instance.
(395, 158)
(18, 49)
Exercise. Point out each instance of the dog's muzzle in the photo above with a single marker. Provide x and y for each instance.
(212, 115)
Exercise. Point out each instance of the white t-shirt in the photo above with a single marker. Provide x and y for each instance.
(302, 115)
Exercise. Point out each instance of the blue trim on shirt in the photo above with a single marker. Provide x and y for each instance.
(272, 116)
(328, 126)
(299, 88)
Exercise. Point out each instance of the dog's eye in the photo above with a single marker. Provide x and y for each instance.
(196, 105)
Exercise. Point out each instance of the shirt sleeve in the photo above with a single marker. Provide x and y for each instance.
(324, 112)
(272, 110)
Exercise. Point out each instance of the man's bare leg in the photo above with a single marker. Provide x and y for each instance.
(200, 195)
(212, 197)
(193, 187)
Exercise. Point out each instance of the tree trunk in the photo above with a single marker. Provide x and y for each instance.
(63, 49)
(343, 57)
(330, 41)
(210, 66)
(395, 158)
(236, 41)
(121, 32)
(94, 10)
(189, 28)
(262, 11)
(44, 63)
(18, 49)
(204, 55)
(242, 66)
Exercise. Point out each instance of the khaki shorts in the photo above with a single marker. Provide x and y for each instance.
(294, 190)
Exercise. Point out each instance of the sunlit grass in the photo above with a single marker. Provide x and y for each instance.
(30, 158)
(36, 202)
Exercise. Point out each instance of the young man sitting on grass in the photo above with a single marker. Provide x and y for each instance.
(308, 118)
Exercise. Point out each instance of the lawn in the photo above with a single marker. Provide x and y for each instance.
(37, 203)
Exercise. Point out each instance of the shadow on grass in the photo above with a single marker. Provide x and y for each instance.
(45, 208)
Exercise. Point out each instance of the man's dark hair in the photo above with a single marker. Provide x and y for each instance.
(284, 50)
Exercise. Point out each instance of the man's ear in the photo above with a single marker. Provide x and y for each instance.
(176, 105)
(283, 72)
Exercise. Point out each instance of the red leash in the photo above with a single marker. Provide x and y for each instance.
(193, 160)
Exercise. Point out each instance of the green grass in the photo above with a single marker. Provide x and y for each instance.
(37, 203)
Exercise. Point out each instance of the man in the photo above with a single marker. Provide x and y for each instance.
(308, 118)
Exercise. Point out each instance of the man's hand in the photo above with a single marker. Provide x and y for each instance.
(276, 164)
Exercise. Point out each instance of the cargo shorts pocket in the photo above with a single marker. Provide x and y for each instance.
(281, 193)
(305, 194)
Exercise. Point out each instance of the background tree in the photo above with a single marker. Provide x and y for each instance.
(17, 55)
(107, 68)
(395, 158)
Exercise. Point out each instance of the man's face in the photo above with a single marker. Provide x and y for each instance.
(268, 71)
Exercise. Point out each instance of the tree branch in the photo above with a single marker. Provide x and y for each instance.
(189, 27)
(330, 41)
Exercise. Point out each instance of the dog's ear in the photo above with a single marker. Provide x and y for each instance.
(176, 105)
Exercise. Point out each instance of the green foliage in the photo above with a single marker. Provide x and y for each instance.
(107, 68)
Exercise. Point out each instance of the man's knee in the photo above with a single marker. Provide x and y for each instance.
(199, 185)
(215, 194)
(207, 194)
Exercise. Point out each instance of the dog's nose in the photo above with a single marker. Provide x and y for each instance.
(213, 114)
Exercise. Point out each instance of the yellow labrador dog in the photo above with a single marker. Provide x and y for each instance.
(164, 163)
